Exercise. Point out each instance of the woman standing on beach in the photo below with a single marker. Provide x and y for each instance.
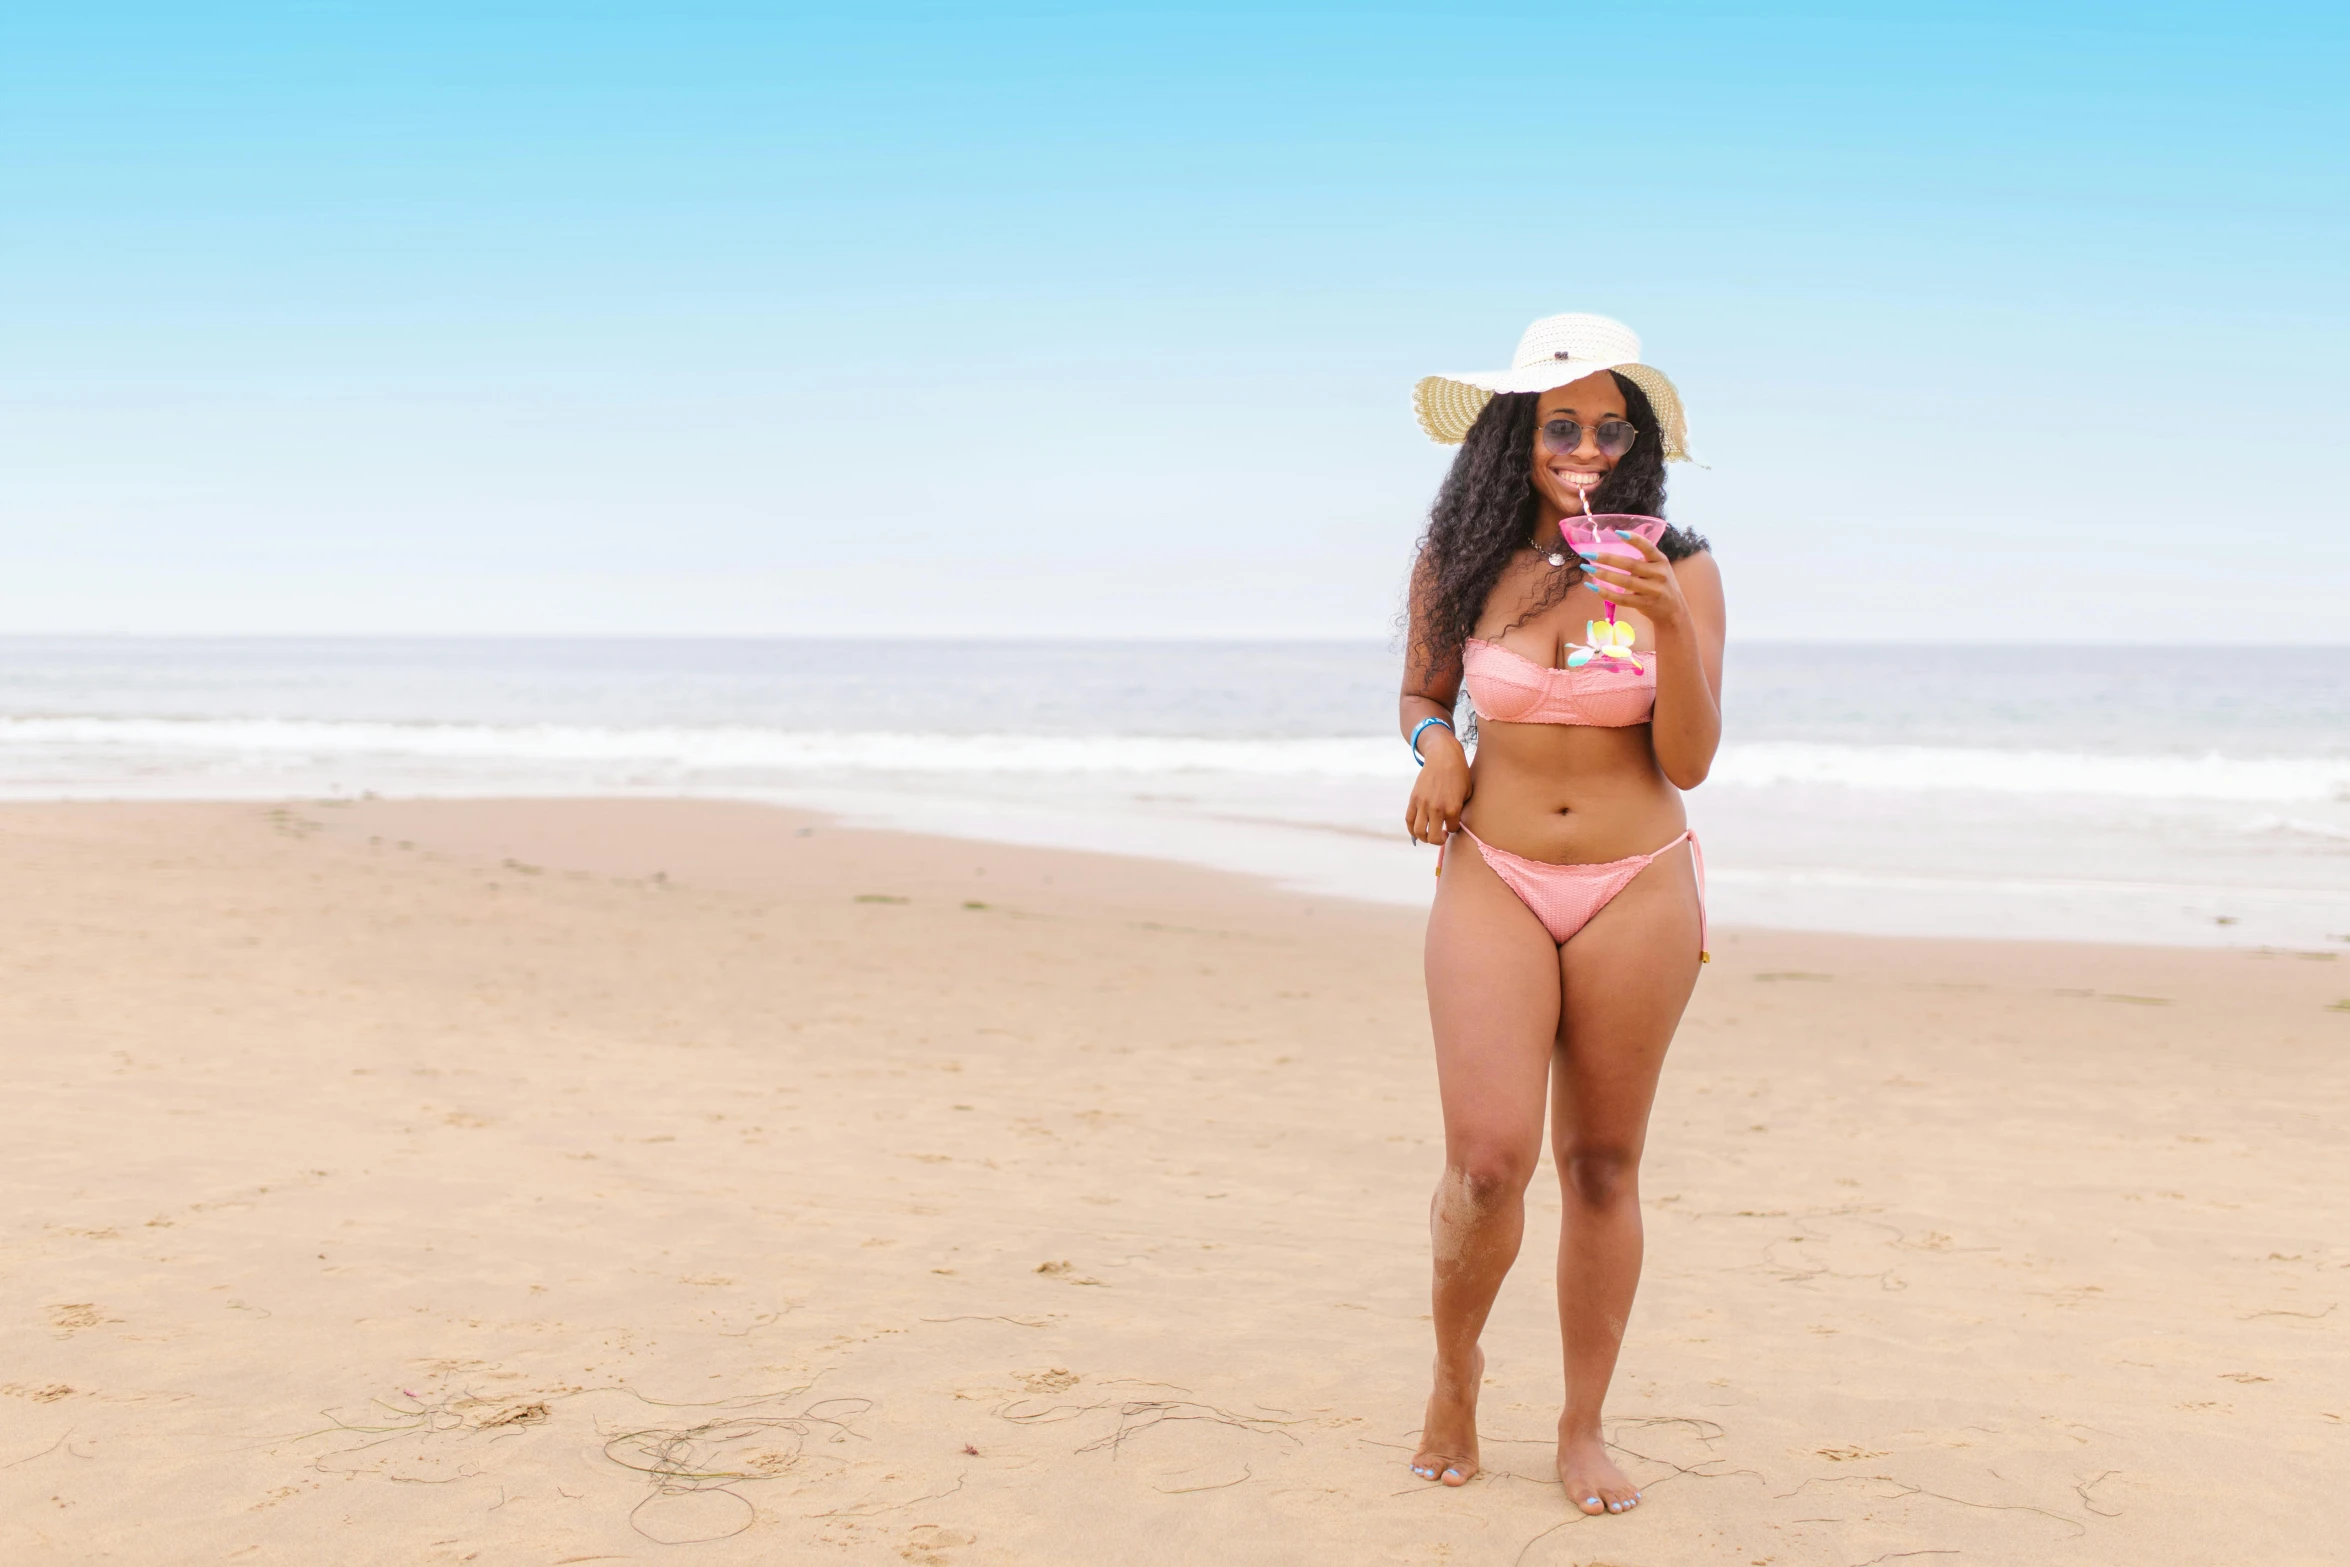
(1569, 918)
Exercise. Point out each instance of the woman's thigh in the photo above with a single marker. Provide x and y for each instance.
(1624, 980)
(1493, 998)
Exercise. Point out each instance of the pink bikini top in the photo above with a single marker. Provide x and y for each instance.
(1512, 689)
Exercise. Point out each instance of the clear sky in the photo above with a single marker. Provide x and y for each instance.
(2009, 320)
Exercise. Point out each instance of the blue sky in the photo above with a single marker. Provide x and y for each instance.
(1074, 320)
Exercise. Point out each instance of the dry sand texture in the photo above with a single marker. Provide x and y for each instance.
(435, 1183)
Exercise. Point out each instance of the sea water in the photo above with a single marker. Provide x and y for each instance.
(2126, 794)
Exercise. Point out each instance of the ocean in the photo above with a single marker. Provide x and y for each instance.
(2173, 795)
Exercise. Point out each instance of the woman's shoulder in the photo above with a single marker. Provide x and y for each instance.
(1697, 568)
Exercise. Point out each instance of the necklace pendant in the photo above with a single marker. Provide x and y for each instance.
(1557, 559)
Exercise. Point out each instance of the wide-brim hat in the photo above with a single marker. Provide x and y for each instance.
(1554, 351)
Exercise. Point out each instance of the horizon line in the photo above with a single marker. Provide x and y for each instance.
(1046, 638)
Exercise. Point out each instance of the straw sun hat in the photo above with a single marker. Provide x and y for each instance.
(1554, 351)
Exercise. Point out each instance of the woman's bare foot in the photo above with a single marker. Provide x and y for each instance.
(1594, 1483)
(1448, 1434)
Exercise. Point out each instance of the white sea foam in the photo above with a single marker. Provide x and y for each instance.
(713, 748)
(2294, 827)
(693, 750)
(1913, 768)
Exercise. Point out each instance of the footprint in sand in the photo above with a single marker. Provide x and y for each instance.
(928, 1544)
(74, 1316)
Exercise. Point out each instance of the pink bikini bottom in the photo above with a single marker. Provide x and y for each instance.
(1566, 897)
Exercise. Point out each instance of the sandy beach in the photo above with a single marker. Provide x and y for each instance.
(689, 1182)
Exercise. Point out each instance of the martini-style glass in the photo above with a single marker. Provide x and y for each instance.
(1610, 640)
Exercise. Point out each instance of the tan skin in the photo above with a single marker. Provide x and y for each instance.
(1520, 1020)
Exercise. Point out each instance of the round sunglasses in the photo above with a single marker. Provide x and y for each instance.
(1564, 437)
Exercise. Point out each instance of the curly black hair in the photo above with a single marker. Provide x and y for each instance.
(1486, 512)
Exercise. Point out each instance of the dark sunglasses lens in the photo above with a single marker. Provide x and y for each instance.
(1616, 437)
(1562, 436)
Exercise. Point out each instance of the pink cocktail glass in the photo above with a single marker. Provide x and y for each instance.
(1597, 535)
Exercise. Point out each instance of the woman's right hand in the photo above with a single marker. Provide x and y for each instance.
(1434, 812)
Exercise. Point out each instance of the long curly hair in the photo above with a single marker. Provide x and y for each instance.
(1487, 508)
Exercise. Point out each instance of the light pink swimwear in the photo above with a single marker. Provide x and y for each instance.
(1565, 897)
(1512, 689)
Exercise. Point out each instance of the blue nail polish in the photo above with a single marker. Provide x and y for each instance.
(1623, 533)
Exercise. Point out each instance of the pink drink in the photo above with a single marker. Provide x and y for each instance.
(1597, 535)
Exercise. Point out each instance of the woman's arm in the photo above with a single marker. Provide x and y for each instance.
(1683, 601)
(1429, 691)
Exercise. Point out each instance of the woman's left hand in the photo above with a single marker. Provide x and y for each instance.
(1648, 584)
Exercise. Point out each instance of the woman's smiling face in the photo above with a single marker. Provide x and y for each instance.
(1560, 476)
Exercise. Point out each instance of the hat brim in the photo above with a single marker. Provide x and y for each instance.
(1448, 404)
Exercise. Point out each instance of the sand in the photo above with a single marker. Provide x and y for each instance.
(699, 1183)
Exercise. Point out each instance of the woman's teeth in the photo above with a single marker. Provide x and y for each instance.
(1577, 478)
